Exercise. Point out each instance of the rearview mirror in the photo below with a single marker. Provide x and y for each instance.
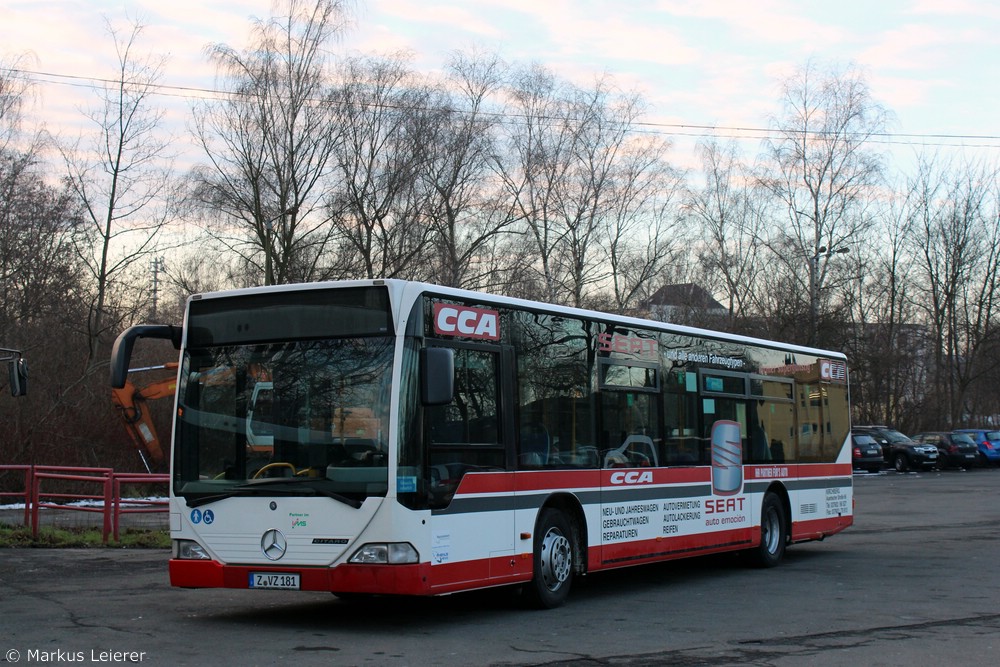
(18, 371)
(437, 375)
(121, 353)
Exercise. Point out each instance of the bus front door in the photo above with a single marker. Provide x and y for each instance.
(469, 448)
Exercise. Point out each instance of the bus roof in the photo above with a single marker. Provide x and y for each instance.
(398, 289)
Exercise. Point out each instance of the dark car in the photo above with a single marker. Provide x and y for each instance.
(955, 450)
(900, 451)
(867, 453)
(988, 442)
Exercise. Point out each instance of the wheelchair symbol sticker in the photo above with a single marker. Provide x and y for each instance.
(197, 516)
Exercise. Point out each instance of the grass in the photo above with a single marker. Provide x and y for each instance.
(68, 538)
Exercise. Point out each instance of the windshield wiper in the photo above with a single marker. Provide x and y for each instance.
(268, 487)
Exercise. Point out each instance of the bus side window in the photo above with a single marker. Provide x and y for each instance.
(772, 416)
(555, 404)
(760, 449)
(682, 445)
(631, 429)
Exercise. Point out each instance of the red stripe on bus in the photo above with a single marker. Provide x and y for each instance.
(487, 482)
(546, 480)
(787, 471)
(824, 470)
(543, 480)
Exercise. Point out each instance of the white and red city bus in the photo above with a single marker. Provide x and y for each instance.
(423, 440)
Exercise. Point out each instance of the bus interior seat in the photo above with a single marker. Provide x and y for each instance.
(535, 445)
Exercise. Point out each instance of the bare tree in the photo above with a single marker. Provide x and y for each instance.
(122, 178)
(14, 91)
(601, 127)
(538, 154)
(269, 142)
(37, 266)
(956, 238)
(379, 207)
(40, 295)
(469, 217)
(733, 218)
(887, 348)
(578, 175)
(643, 230)
(822, 169)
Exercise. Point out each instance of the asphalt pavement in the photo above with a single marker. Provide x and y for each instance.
(914, 582)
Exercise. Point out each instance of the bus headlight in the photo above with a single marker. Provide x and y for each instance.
(190, 550)
(392, 553)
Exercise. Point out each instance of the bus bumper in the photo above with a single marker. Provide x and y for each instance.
(380, 579)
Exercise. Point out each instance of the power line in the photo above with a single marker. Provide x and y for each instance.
(653, 127)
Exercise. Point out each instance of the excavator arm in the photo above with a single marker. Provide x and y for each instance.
(132, 406)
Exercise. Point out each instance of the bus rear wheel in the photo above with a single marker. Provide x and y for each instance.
(773, 533)
(553, 560)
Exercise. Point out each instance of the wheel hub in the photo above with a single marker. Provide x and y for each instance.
(556, 559)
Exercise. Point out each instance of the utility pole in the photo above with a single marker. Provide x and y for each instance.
(157, 266)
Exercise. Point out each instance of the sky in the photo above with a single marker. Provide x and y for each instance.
(697, 63)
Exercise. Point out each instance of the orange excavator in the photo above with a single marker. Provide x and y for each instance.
(131, 403)
(132, 406)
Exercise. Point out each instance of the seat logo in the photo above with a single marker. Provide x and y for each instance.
(273, 544)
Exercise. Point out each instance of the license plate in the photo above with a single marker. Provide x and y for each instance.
(271, 580)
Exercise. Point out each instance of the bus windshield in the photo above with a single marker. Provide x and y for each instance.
(321, 418)
(307, 416)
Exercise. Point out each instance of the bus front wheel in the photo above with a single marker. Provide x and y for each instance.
(553, 560)
(773, 533)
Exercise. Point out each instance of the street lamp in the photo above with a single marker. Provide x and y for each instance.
(821, 251)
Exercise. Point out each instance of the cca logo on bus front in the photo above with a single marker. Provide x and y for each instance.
(480, 323)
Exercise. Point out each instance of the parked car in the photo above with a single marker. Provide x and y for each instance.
(867, 453)
(988, 443)
(900, 451)
(955, 450)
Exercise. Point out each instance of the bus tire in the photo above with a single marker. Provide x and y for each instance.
(552, 561)
(773, 533)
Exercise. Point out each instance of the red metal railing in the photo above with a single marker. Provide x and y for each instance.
(25, 495)
(42, 499)
(135, 505)
(62, 492)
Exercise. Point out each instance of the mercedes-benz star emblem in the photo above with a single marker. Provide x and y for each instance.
(273, 544)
